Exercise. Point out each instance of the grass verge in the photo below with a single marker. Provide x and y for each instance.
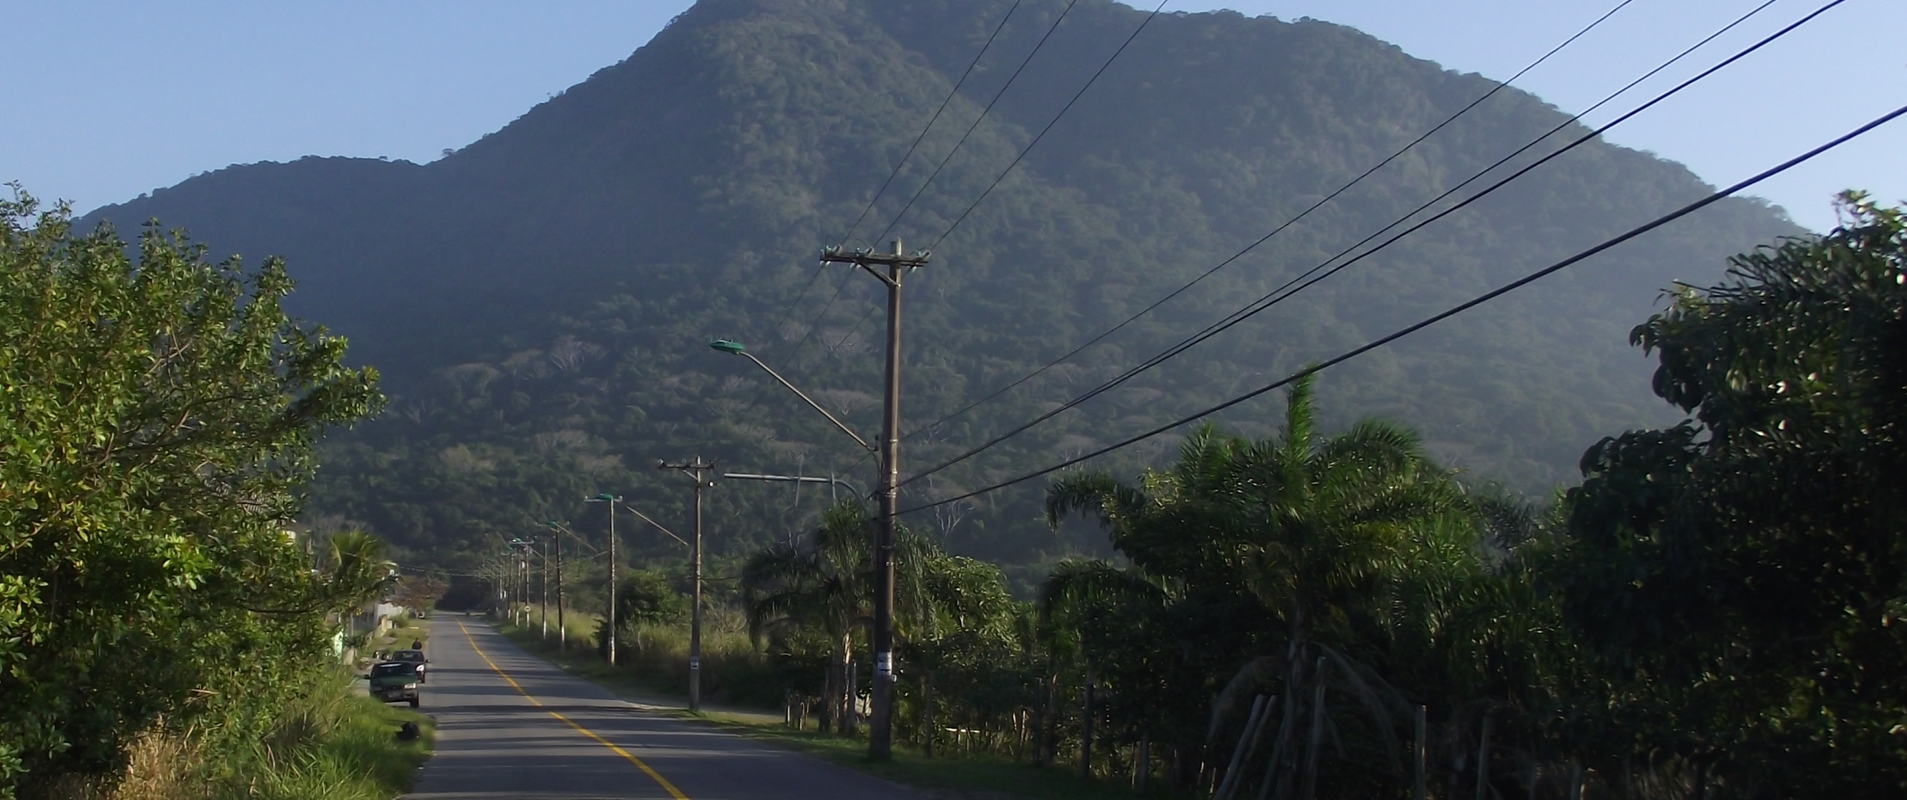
(329, 745)
(965, 776)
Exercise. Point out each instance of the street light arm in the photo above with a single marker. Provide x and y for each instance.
(572, 534)
(792, 479)
(810, 401)
(658, 525)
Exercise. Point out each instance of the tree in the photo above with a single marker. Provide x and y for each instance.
(824, 584)
(1743, 575)
(355, 567)
(159, 418)
(963, 635)
(1315, 530)
(419, 592)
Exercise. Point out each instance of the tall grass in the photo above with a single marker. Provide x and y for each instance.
(656, 656)
(323, 743)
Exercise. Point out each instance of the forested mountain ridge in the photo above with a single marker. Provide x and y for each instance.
(539, 300)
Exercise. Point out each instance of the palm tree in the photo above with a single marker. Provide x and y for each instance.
(825, 583)
(355, 568)
(822, 583)
(1314, 528)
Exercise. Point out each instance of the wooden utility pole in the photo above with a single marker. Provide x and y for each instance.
(609, 502)
(562, 633)
(887, 268)
(545, 616)
(611, 507)
(696, 469)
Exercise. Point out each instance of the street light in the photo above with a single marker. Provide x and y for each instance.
(521, 613)
(542, 555)
(610, 501)
(887, 457)
(736, 348)
(695, 577)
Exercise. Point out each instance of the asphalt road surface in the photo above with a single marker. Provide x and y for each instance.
(510, 725)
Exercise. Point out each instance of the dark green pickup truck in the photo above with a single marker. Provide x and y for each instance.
(394, 682)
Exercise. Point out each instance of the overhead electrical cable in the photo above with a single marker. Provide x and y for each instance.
(845, 238)
(891, 175)
(1281, 228)
(1439, 317)
(1287, 290)
(1049, 126)
(1037, 46)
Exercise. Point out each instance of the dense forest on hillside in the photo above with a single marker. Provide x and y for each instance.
(539, 301)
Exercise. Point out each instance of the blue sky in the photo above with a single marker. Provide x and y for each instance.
(106, 100)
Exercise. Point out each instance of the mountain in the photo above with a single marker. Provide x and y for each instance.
(540, 300)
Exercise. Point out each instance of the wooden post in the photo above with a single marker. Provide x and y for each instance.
(927, 713)
(1420, 790)
(1086, 730)
(1317, 734)
(1144, 767)
(1483, 760)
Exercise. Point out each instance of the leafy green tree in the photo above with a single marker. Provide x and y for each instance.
(1313, 531)
(962, 638)
(1743, 574)
(158, 418)
(645, 597)
(355, 567)
(824, 583)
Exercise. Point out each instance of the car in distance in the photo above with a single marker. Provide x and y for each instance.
(394, 682)
(411, 657)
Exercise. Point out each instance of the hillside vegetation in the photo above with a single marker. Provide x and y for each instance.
(539, 301)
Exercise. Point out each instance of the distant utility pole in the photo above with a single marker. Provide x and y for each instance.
(887, 268)
(562, 633)
(696, 469)
(609, 502)
(546, 589)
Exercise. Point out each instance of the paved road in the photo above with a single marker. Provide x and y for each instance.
(510, 725)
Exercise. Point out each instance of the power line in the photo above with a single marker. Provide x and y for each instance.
(1285, 291)
(1280, 229)
(930, 124)
(1451, 312)
(808, 332)
(755, 399)
(1049, 125)
(836, 296)
(794, 352)
(1037, 46)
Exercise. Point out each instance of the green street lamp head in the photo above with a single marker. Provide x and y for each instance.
(604, 498)
(728, 346)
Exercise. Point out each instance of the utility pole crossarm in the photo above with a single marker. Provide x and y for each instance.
(868, 260)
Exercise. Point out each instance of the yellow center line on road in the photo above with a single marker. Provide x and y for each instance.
(646, 770)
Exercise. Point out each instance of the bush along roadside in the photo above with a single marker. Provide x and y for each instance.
(321, 743)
